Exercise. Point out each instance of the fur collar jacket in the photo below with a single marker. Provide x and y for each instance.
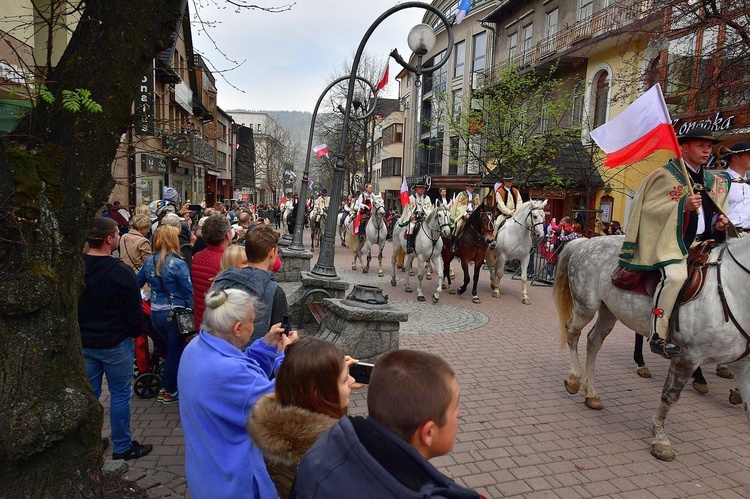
(284, 434)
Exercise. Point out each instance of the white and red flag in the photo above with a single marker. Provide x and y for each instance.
(638, 131)
(383, 80)
(321, 150)
(404, 193)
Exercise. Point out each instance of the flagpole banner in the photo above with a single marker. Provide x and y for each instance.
(384, 79)
(321, 150)
(404, 193)
(641, 129)
(463, 10)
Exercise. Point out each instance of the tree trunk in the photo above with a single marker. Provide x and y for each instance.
(54, 175)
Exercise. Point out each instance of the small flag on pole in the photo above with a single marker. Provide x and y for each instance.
(321, 150)
(310, 183)
(463, 10)
(404, 193)
(383, 80)
(638, 131)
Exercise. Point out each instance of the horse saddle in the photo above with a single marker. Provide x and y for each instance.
(645, 282)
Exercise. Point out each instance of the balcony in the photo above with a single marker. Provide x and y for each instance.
(189, 147)
(609, 19)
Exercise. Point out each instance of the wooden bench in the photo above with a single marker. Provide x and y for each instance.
(318, 311)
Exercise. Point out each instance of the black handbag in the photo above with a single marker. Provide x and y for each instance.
(183, 316)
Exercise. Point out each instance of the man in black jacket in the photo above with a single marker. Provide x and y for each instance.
(413, 416)
(109, 314)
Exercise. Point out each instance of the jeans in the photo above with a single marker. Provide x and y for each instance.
(117, 364)
(165, 325)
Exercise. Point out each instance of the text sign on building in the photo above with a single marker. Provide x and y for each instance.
(153, 164)
(144, 105)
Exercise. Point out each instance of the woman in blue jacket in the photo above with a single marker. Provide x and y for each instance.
(169, 277)
(219, 385)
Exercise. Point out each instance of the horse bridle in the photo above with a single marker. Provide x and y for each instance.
(481, 214)
(438, 230)
(533, 225)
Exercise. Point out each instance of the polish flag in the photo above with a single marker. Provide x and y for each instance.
(404, 193)
(321, 150)
(283, 200)
(637, 132)
(383, 80)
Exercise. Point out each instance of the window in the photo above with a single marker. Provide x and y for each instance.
(680, 58)
(460, 54)
(431, 156)
(576, 117)
(440, 77)
(457, 105)
(528, 34)
(221, 160)
(551, 23)
(512, 46)
(393, 134)
(586, 10)
(391, 167)
(454, 155)
(479, 50)
(601, 98)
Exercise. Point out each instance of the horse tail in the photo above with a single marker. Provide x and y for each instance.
(563, 298)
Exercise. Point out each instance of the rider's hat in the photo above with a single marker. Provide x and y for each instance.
(737, 148)
(508, 178)
(324, 191)
(697, 133)
(421, 183)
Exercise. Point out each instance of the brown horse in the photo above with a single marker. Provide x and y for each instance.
(472, 245)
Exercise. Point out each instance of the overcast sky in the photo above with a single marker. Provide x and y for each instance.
(290, 56)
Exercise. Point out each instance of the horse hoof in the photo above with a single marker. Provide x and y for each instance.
(408, 289)
(380, 273)
(700, 387)
(429, 277)
(496, 293)
(476, 300)
(643, 372)
(662, 451)
(393, 281)
(593, 403)
(572, 387)
(734, 396)
(526, 301)
(411, 273)
(354, 267)
(435, 299)
(420, 298)
(451, 291)
(443, 286)
(365, 270)
(724, 372)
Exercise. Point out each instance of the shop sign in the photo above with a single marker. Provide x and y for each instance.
(718, 123)
(144, 105)
(153, 164)
(547, 193)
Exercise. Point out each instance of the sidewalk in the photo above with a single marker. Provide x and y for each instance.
(521, 433)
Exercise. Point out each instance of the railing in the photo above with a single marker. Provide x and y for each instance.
(610, 18)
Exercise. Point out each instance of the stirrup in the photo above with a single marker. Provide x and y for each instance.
(664, 348)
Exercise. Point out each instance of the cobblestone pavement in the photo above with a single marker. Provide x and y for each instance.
(521, 433)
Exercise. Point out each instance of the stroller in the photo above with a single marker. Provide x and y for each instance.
(148, 366)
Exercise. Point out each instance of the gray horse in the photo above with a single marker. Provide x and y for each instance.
(709, 326)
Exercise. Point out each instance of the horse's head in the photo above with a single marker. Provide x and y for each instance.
(442, 216)
(485, 221)
(378, 206)
(535, 218)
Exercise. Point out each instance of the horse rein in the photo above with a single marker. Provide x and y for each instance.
(728, 315)
(429, 236)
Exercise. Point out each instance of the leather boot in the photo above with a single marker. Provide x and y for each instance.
(410, 244)
(454, 246)
(664, 348)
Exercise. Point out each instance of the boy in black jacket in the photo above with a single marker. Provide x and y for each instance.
(413, 406)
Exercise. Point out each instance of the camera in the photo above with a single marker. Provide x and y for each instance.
(361, 372)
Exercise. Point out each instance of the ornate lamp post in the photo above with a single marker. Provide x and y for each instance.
(421, 40)
(299, 221)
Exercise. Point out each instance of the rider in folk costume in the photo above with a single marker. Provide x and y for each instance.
(443, 198)
(346, 208)
(667, 219)
(466, 202)
(363, 208)
(738, 164)
(419, 208)
(321, 205)
(507, 199)
(291, 205)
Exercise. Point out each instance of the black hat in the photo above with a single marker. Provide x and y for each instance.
(324, 191)
(697, 133)
(737, 148)
(507, 178)
(471, 183)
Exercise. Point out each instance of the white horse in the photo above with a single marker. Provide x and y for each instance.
(513, 242)
(710, 325)
(285, 214)
(428, 248)
(375, 232)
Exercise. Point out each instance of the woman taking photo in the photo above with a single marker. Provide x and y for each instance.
(169, 277)
(312, 393)
(219, 385)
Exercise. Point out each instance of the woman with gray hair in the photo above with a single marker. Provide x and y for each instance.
(219, 385)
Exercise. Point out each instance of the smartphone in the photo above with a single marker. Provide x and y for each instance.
(286, 323)
(195, 207)
(361, 372)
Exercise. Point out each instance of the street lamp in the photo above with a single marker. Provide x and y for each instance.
(324, 266)
(299, 221)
